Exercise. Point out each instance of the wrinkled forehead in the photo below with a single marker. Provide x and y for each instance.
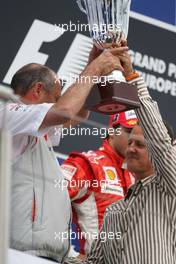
(57, 82)
(136, 137)
(56, 78)
(137, 134)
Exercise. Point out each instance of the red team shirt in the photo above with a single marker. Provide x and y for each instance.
(96, 179)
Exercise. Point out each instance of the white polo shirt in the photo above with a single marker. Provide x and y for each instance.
(24, 121)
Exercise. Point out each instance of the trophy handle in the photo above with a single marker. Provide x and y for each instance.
(79, 2)
(126, 11)
(126, 5)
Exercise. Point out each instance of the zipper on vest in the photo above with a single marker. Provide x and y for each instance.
(33, 207)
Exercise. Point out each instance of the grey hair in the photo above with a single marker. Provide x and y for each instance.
(28, 75)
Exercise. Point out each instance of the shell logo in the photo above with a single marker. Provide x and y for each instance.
(111, 175)
(132, 122)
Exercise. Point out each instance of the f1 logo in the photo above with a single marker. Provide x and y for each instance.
(41, 32)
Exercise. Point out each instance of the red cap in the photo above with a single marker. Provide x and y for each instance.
(127, 119)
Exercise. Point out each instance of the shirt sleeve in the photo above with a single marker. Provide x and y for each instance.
(95, 256)
(55, 134)
(25, 119)
(76, 172)
(163, 154)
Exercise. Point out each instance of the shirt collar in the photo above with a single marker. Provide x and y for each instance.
(147, 179)
(134, 189)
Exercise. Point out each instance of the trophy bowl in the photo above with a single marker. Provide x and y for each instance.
(108, 22)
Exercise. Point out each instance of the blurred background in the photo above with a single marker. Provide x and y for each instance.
(30, 33)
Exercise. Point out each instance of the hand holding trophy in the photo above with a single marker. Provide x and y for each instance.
(108, 24)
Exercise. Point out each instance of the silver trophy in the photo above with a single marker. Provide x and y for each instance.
(108, 20)
(108, 23)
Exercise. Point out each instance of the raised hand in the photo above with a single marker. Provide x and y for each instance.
(108, 61)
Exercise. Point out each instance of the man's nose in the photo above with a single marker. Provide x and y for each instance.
(131, 148)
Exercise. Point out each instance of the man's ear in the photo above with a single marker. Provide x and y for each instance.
(37, 90)
(111, 137)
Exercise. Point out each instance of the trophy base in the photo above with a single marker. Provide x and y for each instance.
(112, 98)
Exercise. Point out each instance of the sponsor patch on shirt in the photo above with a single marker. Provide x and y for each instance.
(111, 174)
(112, 189)
(68, 171)
(17, 107)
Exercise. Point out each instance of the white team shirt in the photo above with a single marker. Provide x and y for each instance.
(24, 121)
